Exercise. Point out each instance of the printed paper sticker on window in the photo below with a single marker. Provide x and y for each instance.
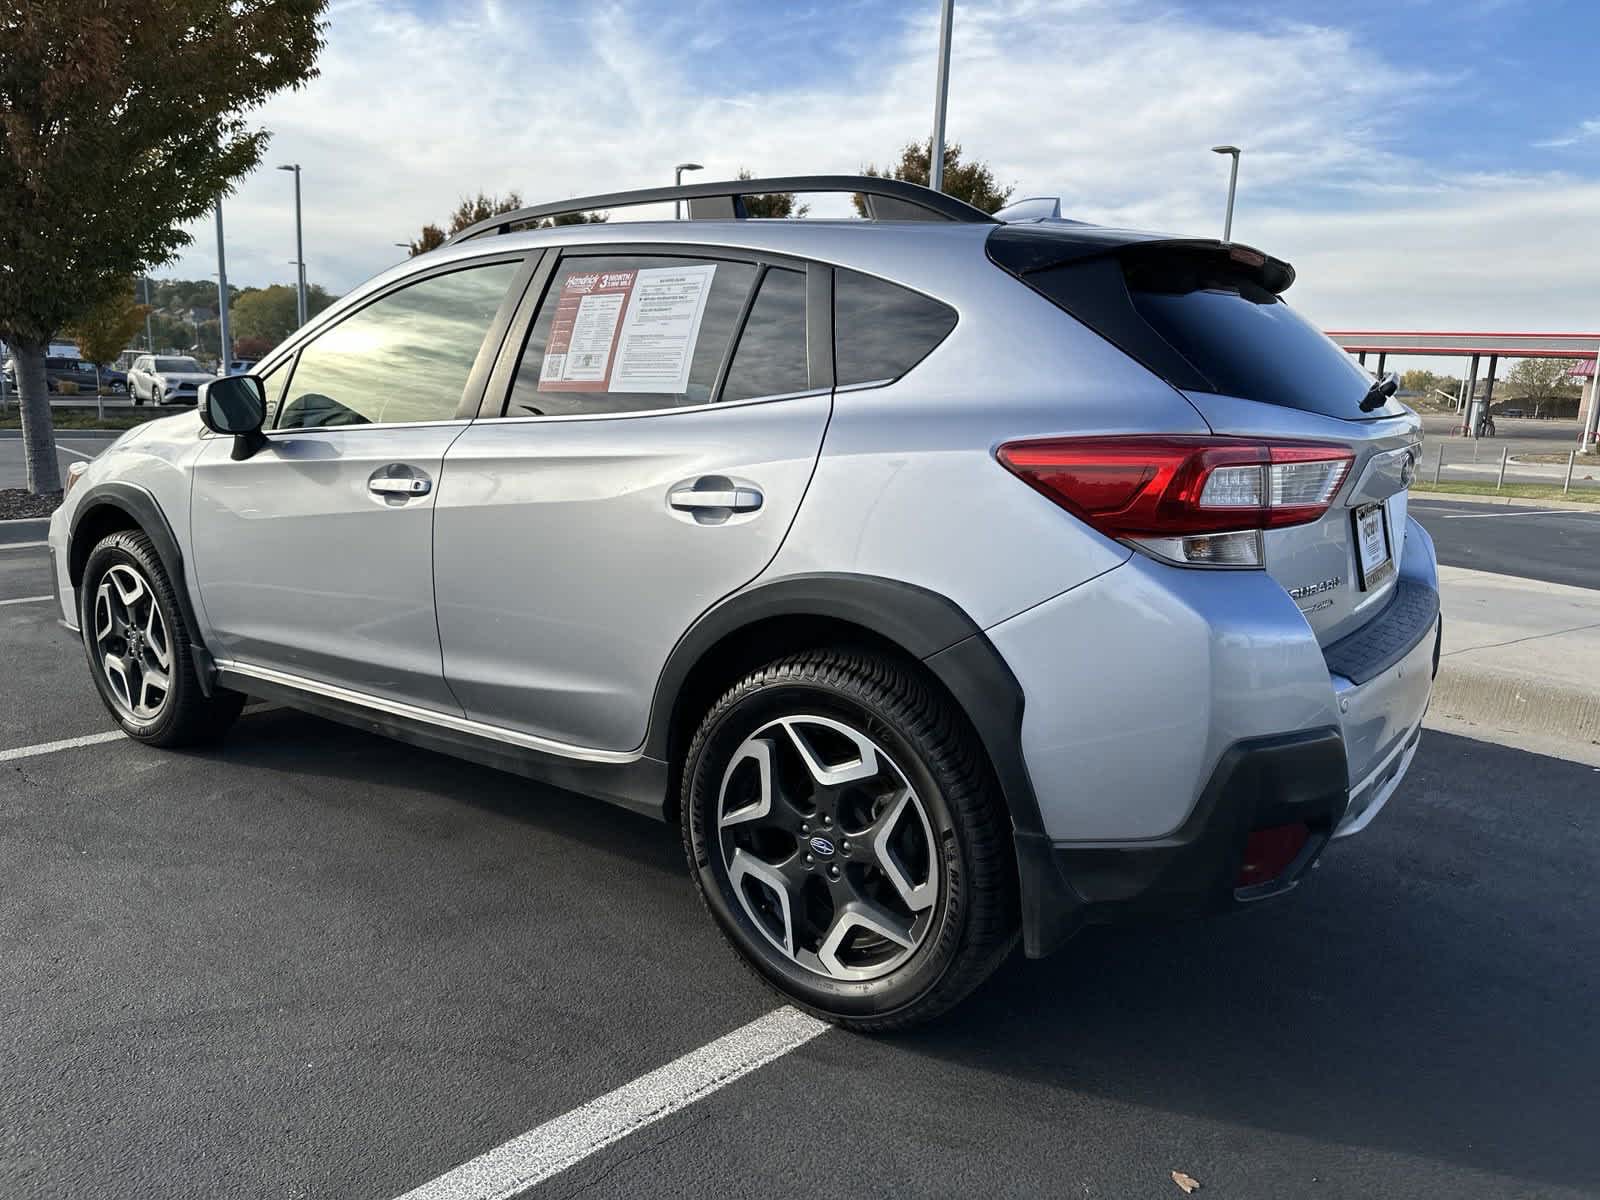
(626, 331)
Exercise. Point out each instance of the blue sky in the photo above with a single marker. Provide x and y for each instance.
(1425, 164)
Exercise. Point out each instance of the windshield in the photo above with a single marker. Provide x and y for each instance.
(177, 364)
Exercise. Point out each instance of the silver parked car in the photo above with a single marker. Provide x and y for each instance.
(948, 580)
(166, 379)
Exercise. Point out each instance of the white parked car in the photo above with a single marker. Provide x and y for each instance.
(164, 379)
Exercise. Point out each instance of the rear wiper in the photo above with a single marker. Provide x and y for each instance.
(1378, 394)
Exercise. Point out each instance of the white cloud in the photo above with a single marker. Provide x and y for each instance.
(1111, 107)
(1586, 131)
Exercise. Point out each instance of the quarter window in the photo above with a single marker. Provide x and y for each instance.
(404, 357)
(882, 330)
(629, 333)
(771, 358)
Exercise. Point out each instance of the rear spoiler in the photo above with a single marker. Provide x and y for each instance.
(1024, 249)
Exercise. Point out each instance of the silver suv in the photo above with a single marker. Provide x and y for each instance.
(166, 379)
(949, 580)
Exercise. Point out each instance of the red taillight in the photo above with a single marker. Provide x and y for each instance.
(1268, 853)
(1178, 487)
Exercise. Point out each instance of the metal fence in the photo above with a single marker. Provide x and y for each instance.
(1486, 461)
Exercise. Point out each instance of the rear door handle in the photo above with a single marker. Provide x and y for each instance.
(737, 499)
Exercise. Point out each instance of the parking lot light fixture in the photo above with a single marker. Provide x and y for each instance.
(299, 246)
(1233, 183)
(677, 181)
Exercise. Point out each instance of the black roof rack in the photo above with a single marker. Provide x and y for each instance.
(886, 200)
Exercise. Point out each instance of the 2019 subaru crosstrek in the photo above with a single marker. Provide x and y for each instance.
(948, 580)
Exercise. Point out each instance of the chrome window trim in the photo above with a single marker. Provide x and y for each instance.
(426, 716)
(653, 412)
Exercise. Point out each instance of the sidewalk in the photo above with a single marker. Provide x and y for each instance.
(1522, 658)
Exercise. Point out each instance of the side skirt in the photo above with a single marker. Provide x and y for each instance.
(638, 784)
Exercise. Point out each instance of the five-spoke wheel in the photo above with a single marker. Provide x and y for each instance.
(132, 643)
(846, 835)
(827, 846)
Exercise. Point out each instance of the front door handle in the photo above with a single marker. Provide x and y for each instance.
(736, 499)
(386, 486)
(398, 482)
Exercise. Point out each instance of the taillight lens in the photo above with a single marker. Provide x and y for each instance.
(1200, 501)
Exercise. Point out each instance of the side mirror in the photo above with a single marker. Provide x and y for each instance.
(236, 404)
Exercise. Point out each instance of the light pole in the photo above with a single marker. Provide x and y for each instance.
(1233, 183)
(149, 339)
(677, 181)
(225, 342)
(941, 94)
(299, 245)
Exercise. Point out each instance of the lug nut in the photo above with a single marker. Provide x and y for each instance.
(804, 828)
(827, 822)
(845, 845)
(833, 872)
(809, 858)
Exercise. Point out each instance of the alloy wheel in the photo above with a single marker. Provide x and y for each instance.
(131, 642)
(828, 848)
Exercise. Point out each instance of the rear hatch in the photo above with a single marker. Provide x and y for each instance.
(1210, 318)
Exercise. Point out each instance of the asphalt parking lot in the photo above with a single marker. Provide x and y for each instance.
(313, 963)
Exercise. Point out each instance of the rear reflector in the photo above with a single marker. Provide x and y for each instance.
(1161, 493)
(1268, 853)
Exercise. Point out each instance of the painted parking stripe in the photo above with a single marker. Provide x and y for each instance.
(74, 453)
(1524, 512)
(99, 739)
(90, 739)
(26, 600)
(535, 1156)
(22, 545)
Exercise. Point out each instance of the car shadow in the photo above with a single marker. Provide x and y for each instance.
(1431, 990)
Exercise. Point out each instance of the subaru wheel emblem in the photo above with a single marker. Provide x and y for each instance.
(822, 846)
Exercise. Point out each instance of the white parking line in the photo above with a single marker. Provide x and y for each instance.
(98, 739)
(551, 1148)
(88, 739)
(22, 545)
(74, 453)
(25, 600)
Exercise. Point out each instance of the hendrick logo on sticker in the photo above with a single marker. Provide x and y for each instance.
(580, 283)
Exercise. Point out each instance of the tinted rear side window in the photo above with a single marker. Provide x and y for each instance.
(771, 358)
(1244, 339)
(882, 330)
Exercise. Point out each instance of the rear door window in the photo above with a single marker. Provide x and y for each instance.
(771, 358)
(881, 330)
(630, 333)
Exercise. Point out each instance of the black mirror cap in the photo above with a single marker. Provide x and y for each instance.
(235, 404)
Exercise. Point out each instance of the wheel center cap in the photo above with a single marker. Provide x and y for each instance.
(822, 847)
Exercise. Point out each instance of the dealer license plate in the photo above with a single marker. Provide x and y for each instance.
(1372, 546)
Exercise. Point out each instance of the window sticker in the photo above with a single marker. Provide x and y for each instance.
(626, 331)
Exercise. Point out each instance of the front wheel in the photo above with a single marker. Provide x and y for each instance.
(139, 648)
(847, 837)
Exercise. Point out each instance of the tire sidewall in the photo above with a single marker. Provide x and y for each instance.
(124, 549)
(753, 705)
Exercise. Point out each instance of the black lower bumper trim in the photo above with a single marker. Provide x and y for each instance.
(1257, 784)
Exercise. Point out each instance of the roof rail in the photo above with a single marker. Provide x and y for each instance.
(886, 200)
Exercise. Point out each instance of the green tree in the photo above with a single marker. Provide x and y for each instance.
(481, 207)
(104, 331)
(771, 204)
(272, 312)
(121, 121)
(972, 181)
(1542, 380)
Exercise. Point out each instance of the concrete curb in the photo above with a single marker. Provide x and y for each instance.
(1421, 493)
(1516, 704)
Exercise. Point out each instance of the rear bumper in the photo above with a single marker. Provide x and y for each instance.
(1170, 713)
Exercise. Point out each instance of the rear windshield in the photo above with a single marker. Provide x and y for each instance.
(1244, 339)
(177, 364)
(1201, 316)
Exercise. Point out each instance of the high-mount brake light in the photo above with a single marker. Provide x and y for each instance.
(1197, 501)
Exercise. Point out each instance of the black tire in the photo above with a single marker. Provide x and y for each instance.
(971, 926)
(185, 716)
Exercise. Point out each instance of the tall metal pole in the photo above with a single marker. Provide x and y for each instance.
(941, 96)
(149, 338)
(226, 348)
(1233, 186)
(299, 246)
(677, 181)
